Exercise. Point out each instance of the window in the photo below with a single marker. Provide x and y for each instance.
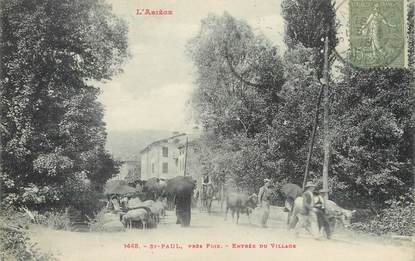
(165, 167)
(165, 152)
(152, 167)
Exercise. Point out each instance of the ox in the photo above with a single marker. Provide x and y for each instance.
(333, 213)
(240, 203)
(342, 215)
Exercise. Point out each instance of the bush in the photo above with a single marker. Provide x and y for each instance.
(15, 243)
(76, 192)
(396, 219)
(86, 200)
(57, 220)
(97, 224)
(105, 221)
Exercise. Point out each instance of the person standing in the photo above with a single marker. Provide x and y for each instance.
(114, 204)
(183, 204)
(264, 196)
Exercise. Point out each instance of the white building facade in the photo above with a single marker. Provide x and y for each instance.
(160, 158)
(165, 158)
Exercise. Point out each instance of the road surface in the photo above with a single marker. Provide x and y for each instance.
(212, 238)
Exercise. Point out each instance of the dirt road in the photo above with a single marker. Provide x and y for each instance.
(211, 238)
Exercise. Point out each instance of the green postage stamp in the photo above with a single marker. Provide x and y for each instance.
(378, 33)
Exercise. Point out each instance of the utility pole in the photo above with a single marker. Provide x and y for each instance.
(326, 141)
(313, 135)
(185, 157)
(324, 91)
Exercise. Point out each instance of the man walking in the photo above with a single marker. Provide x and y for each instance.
(264, 196)
(183, 208)
(309, 220)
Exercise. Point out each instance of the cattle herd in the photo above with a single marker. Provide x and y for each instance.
(134, 212)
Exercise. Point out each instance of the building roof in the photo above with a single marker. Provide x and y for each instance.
(190, 143)
(162, 141)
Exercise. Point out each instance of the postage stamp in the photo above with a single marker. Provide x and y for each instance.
(378, 33)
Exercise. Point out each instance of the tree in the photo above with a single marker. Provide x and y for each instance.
(52, 126)
(369, 110)
(370, 129)
(133, 176)
(239, 77)
(307, 22)
(372, 142)
(371, 132)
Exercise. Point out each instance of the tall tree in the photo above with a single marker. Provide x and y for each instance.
(52, 126)
(307, 23)
(239, 76)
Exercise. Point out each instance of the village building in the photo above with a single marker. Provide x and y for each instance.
(189, 164)
(165, 158)
(160, 158)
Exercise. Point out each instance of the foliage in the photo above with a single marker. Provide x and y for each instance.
(275, 146)
(52, 131)
(57, 220)
(307, 23)
(239, 75)
(372, 143)
(16, 245)
(248, 137)
(97, 223)
(87, 199)
(398, 218)
(133, 176)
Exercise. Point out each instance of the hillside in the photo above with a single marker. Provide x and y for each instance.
(127, 144)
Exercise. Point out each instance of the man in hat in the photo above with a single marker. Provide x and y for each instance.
(264, 197)
(314, 205)
(309, 220)
(308, 196)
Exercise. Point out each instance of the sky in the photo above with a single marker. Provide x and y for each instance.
(158, 79)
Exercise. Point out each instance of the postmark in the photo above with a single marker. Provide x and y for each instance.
(377, 33)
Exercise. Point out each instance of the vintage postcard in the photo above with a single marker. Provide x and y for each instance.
(207, 130)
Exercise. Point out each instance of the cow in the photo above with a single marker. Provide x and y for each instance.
(140, 214)
(343, 216)
(240, 203)
(332, 211)
(157, 210)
